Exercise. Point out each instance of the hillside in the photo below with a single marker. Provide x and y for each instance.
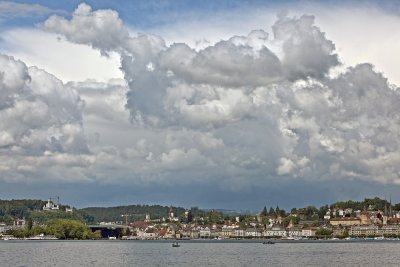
(18, 208)
(135, 212)
(32, 209)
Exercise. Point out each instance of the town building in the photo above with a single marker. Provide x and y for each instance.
(253, 232)
(238, 233)
(345, 221)
(309, 231)
(294, 232)
(52, 206)
(275, 231)
(363, 230)
(205, 232)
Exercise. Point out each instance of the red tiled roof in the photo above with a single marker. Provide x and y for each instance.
(394, 220)
(163, 232)
(140, 224)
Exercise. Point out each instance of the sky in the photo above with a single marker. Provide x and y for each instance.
(215, 104)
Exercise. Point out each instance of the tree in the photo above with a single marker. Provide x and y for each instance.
(323, 233)
(189, 217)
(277, 211)
(68, 229)
(264, 211)
(287, 220)
(316, 223)
(127, 231)
(271, 211)
(322, 211)
(30, 224)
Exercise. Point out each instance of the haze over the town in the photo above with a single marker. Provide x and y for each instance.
(217, 104)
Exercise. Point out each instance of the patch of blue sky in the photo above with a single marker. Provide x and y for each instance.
(141, 13)
(144, 14)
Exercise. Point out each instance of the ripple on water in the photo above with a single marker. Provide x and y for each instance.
(138, 253)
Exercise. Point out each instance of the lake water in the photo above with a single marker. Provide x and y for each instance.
(153, 253)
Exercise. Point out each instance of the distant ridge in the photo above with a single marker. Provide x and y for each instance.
(33, 209)
(233, 212)
(135, 212)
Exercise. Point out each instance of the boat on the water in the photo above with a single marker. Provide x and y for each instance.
(268, 242)
(175, 245)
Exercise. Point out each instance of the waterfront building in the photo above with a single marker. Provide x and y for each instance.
(363, 230)
(227, 232)
(253, 232)
(205, 232)
(309, 231)
(388, 230)
(275, 231)
(345, 221)
(150, 233)
(215, 233)
(294, 232)
(339, 231)
(238, 233)
(194, 234)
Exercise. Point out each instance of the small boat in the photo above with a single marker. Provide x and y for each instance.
(112, 238)
(175, 245)
(268, 242)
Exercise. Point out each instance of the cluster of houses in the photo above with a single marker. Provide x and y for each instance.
(18, 223)
(170, 229)
(192, 231)
(361, 224)
(336, 222)
(366, 223)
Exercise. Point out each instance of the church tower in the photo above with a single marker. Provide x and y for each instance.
(171, 213)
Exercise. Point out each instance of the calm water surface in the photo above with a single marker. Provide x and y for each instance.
(142, 253)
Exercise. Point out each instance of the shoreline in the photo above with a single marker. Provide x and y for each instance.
(276, 241)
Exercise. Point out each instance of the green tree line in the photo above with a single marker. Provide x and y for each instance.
(60, 228)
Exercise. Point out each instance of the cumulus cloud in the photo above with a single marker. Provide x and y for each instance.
(41, 120)
(102, 29)
(306, 51)
(245, 110)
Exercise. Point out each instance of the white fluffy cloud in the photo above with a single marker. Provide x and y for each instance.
(41, 121)
(102, 29)
(239, 112)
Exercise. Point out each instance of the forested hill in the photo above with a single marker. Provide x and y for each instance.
(368, 203)
(32, 209)
(134, 212)
(19, 208)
